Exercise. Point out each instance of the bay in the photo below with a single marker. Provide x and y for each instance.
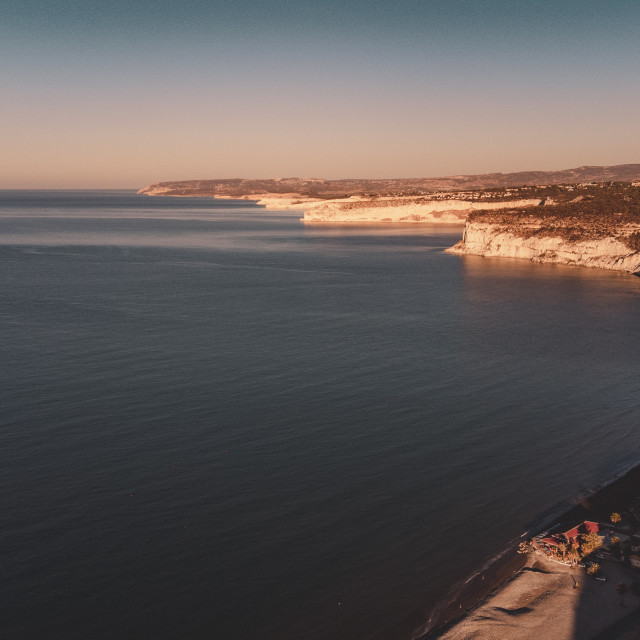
(219, 422)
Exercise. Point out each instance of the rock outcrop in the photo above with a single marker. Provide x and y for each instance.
(529, 240)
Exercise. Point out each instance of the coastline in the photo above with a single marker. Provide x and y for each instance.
(443, 208)
(498, 573)
(466, 595)
(599, 228)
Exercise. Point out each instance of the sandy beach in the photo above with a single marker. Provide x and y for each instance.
(533, 597)
(550, 600)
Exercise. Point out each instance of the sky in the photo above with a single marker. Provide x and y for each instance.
(120, 94)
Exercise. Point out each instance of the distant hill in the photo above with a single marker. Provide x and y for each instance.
(320, 188)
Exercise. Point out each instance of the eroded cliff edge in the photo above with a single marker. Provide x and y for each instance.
(589, 226)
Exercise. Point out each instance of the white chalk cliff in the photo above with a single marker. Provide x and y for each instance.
(433, 209)
(489, 239)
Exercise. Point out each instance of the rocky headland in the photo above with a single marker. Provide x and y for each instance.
(449, 208)
(582, 225)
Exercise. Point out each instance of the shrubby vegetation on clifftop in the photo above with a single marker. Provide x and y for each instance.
(584, 225)
(573, 212)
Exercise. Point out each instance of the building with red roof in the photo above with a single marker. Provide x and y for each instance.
(551, 543)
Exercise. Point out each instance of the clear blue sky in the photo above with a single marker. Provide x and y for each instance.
(110, 93)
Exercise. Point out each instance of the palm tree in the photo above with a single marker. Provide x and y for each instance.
(574, 553)
(590, 542)
(621, 589)
(615, 517)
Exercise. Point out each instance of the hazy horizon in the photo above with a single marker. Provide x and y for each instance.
(121, 95)
(276, 177)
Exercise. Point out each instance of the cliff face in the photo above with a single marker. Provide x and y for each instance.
(404, 209)
(437, 208)
(531, 242)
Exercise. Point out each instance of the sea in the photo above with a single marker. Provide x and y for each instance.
(220, 422)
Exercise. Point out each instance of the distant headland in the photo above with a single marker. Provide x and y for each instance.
(328, 189)
(587, 216)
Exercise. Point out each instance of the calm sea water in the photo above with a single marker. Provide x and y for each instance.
(220, 423)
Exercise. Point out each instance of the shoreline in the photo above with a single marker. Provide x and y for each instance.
(524, 233)
(464, 598)
(612, 494)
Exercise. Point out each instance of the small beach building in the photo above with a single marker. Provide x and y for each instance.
(553, 543)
